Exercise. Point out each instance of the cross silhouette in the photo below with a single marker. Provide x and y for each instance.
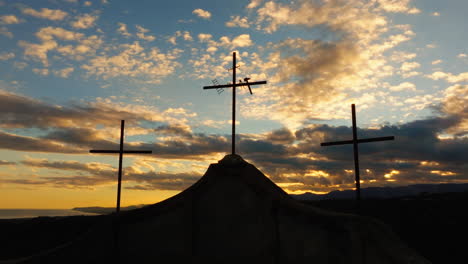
(121, 151)
(355, 141)
(233, 86)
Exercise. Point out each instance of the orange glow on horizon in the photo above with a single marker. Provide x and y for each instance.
(443, 173)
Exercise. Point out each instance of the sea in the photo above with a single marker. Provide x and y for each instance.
(31, 213)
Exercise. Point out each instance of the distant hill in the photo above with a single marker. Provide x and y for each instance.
(105, 210)
(370, 192)
(385, 192)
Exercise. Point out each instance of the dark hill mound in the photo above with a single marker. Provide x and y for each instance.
(233, 214)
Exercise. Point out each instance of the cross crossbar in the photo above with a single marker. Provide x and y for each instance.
(118, 151)
(231, 85)
(355, 141)
(121, 151)
(364, 140)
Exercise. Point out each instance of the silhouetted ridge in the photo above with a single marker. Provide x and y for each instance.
(234, 214)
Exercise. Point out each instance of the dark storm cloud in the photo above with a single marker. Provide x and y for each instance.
(73, 129)
(316, 64)
(261, 146)
(281, 136)
(31, 144)
(187, 148)
(68, 165)
(5, 162)
(18, 111)
(78, 181)
(90, 175)
(162, 181)
(417, 140)
(81, 138)
(23, 181)
(173, 130)
(417, 153)
(428, 177)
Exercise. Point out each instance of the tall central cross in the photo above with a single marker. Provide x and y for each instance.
(121, 151)
(355, 141)
(233, 86)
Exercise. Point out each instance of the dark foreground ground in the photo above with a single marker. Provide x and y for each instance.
(26, 237)
(434, 225)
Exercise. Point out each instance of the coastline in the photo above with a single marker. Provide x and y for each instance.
(22, 213)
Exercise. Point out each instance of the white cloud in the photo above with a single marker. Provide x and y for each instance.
(254, 3)
(398, 6)
(200, 63)
(462, 55)
(134, 61)
(419, 102)
(242, 41)
(43, 72)
(304, 73)
(217, 123)
(142, 34)
(172, 40)
(38, 51)
(84, 21)
(84, 46)
(436, 62)
(204, 37)
(456, 100)
(6, 56)
(449, 77)
(408, 66)
(4, 31)
(403, 86)
(64, 73)
(20, 65)
(309, 72)
(436, 14)
(211, 49)
(409, 74)
(237, 21)
(87, 3)
(49, 37)
(184, 34)
(400, 56)
(202, 13)
(352, 17)
(9, 19)
(46, 13)
(49, 33)
(123, 30)
(142, 29)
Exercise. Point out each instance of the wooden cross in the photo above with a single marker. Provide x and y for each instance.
(355, 141)
(121, 151)
(233, 86)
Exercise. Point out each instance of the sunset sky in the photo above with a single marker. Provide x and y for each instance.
(70, 70)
